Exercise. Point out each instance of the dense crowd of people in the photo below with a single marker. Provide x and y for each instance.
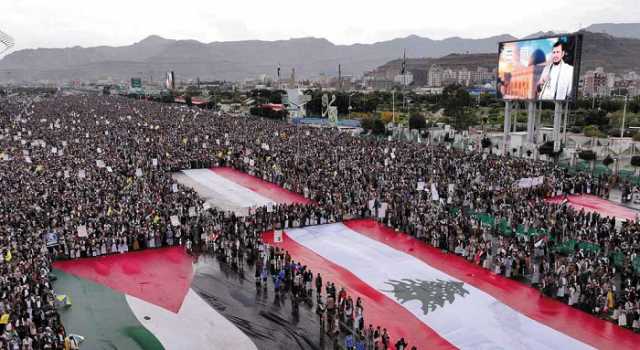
(87, 176)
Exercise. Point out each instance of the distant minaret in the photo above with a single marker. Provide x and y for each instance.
(293, 76)
(340, 77)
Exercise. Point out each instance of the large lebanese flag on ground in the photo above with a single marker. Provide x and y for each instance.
(230, 189)
(440, 301)
(591, 203)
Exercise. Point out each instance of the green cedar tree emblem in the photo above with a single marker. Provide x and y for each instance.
(432, 294)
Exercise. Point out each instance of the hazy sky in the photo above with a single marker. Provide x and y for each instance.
(64, 23)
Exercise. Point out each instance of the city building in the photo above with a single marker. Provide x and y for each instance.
(429, 90)
(404, 79)
(434, 78)
(633, 76)
(443, 76)
(596, 83)
(464, 77)
(634, 89)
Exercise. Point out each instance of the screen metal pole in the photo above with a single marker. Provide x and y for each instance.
(557, 120)
(507, 126)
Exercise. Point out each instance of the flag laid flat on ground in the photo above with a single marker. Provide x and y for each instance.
(163, 299)
(142, 300)
(267, 189)
(461, 304)
(221, 192)
(230, 189)
(591, 203)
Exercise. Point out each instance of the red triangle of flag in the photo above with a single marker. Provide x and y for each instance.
(158, 276)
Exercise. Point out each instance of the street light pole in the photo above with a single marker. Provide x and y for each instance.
(624, 114)
(393, 106)
(351, 94)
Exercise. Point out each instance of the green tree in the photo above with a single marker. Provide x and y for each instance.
(589, 156)
(166, 96)
(378, 127)
(593, 131)
(276, 96)
(192, 91)
(417, 121)
(455, 100)
(607, 161)
(635, 162)
(366, 123)
(486, 100)
(596, 117)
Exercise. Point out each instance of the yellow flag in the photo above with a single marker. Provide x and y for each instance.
(8, 257)
(156, 219)
(184, 141)
(39, 168)
(109, 211)
(611, 303)
(4, 319)
(64, 298)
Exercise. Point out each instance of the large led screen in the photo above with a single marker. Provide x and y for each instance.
(539, 69)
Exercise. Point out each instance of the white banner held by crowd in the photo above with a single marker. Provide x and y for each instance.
(382, 211)
(528, 182)
(372, 204)
(434, 192)
(82, 231)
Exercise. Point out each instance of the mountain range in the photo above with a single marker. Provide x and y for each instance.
(615, 55)
(237, 60)
(621, 30)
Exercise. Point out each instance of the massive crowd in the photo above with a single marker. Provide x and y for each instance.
(86, 176)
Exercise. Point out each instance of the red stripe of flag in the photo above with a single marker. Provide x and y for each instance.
(262, 187)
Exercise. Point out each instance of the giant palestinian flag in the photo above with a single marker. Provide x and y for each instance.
(166, 299)
(440, 301)
(142, 300)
